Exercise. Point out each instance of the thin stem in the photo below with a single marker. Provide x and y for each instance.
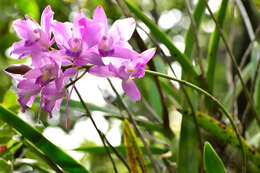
(42, 155)
(152, 114)
(131, 118)
(248, 50)
(142, 47)
(195, 31)
(245, 90)
(117, 153)
(246, 20)
(99, 132)
(210, 96)
(73, 82)
(253, 84)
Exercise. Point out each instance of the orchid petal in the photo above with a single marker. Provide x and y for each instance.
(33, 74)
(21, 28)
(123, 28)
(88, 58)
(62, 33)
(131, 90)
(124, 53)
(46, 20)
(101, 71)
(27, 85)
(76, 26)
(100, 16)
(91, 32)
(147, 55)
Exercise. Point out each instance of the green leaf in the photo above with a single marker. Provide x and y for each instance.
(188, 157)
(164, 39)
(213, 46)
(55, 153)
(171, 90)
(246, 73)
(257, 95)
(134, 154)
(10, 101)
(121, 149)
(76, 105)
(148, 87)
(6, 133)
(257, 3)
(189, 39)
(212, 162)
(5, 166)
(223, 132)
(148, 125)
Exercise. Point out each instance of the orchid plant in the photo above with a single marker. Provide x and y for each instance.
(85, 42)
(165, 131)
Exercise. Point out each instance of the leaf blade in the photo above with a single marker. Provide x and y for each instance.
(61, 158)
(134, 154)
(212, 162)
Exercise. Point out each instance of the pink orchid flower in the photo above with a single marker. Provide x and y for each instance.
(112, 42)
(71, 41)
(36, 39)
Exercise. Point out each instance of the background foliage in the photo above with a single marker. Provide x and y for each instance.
(175, 119)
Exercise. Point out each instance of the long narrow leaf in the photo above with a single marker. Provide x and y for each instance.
(226, 134)
(134, 154)
(121, 149)
(213, 46)
(188, 157)
(55, 153)
(189, 39)
(246, 73)
(212, 162)
(148, 125)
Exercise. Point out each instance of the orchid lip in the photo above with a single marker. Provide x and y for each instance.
(104, 53)
(28, 43)
(73, 53)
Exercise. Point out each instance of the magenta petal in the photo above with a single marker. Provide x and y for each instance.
(27, 85)
(91, 32)
(46, 20)
(62, 33)
(125, 53)
(100, 16)
(76, 25)
(70, 72)
(21, 28)
(30, 102)
(123, 28)
(148, 54)
(100, 71)
(131, 90)
(89, 57)
(33, 74)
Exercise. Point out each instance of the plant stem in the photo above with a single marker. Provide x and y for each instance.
(99, 132)
(131, 118)
(210, 96)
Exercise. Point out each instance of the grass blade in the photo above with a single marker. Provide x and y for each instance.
(121, 149)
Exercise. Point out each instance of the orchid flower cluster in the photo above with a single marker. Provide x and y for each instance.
(53, 45)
